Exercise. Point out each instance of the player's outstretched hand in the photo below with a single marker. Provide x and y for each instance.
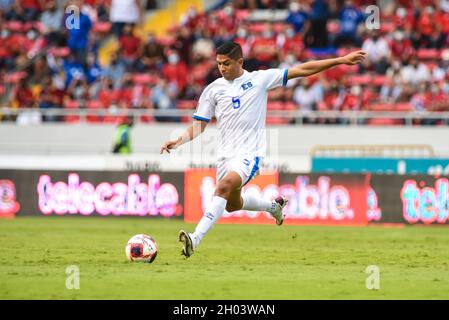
(354, 57)
(169, 145)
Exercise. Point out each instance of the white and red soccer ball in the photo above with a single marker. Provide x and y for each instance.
(141, 247)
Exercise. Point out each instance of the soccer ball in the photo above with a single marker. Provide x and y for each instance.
(141, 248)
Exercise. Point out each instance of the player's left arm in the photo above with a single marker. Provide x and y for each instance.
(312, 67)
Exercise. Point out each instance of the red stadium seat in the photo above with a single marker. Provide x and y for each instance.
(102, 27)
(403, 106)
(144, 78)
(72, 104)
(275, 105)
(387, 26)
(186, 104)
(381, 122)
(381, 107)
(290, 106)
(15, 76)
(360, 79)
(428, 54)
(60, 51)
(379, 80)
(93, 105)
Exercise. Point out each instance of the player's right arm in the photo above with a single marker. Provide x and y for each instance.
(191, 133)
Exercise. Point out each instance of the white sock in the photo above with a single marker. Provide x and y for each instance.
(253, 203)
(212, 214)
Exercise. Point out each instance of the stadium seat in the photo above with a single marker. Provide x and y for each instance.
(94, 105)
(186, 104)
(275, 105)
(381, 107)
(403, 106)
(242, 14)
(60, 52)
(387, 26)
(15, 76)
(72, 104)
(360, 79)
(144, 78)
(102, 27)
(428, 54)
(381, 122)
(379, 81)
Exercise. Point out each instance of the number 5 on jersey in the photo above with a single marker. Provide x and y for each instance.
(235, 102)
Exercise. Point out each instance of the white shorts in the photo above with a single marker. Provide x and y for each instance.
(246, 166)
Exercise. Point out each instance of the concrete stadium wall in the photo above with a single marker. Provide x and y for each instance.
(64, 139)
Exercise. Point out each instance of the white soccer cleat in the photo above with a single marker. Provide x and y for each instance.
(187, 243)
(280, 203)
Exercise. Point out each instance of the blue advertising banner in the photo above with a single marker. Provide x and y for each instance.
(437, 166)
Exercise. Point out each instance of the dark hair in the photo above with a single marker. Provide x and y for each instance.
(231, 49)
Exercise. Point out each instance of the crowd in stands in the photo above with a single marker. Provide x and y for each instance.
(46, 62)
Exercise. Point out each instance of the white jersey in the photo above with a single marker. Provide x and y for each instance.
(240, 109)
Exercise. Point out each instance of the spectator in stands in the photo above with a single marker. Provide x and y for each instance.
(52, 19)
(152, 58)
(401, 47)
(318, 36)
(183, 44)
(5, 7)
(130, 48)
(49, 98)
(72, 69)
(163, 98)
(78, 38)
(23, 96)
(124, 12)
(350, 19)
(289, 41)
(15, 13)
(175, 71)
(428, 33)
(378, 52)
(415, 72)
(298, 17)
(115, 71)
(93, 69)
(32, 9)
(307, 96)
(264, 48)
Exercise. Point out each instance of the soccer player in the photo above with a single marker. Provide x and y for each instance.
(238, 100)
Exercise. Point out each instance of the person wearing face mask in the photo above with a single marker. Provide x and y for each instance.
(401, 47)
(264, 48)
(289, 41)
(175, 71)
(298, 17)
(378, 51)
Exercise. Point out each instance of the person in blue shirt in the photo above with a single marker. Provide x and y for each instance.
(298, 17)
(78, 38)
(318, 35)
(350, 18)
(72, 69)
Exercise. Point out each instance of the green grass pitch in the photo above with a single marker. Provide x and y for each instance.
(233, 262)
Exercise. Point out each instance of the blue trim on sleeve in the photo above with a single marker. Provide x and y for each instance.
(200, 118)
(284, 81)
(253, 171)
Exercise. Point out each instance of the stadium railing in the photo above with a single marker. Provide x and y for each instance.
(290, 116)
